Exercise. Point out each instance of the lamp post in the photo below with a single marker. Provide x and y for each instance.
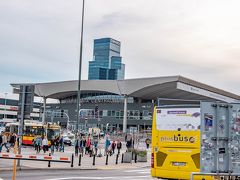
(67, 120)
(80, 67)
(5, 106)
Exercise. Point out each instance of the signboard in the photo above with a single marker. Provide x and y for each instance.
(178, 118)
(199, 91)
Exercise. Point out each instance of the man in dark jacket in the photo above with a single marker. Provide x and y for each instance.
(119, 146)
(1, 142)
(113, 146)
(12, 139)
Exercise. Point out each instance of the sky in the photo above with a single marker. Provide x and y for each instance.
(198, 39)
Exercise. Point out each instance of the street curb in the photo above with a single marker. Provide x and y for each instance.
(43, 169)
(73, 169)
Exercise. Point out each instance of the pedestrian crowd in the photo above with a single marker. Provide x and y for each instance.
(7, 141)
(83, 144)
(90, 146)
(42, 143)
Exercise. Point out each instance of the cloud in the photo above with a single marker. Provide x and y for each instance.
(121, 20)
(197, 39)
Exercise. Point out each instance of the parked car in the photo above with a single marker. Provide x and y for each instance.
(102, 134)
(67, 140)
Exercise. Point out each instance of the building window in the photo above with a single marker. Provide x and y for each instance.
(146, 115)
(121, 114)
(113, 113)
(117, 114)
(105, 113)
(100, 114)
(109, 113)
(136, 114)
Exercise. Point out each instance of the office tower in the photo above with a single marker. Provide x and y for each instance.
(107, 62)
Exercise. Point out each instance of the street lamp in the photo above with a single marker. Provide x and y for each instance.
(80, 67)
(86, 120)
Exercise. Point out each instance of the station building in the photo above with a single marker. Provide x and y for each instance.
(120, 102)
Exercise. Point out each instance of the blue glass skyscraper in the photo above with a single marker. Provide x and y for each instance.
(107, 62)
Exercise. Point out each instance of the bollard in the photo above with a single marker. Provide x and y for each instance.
(72, 160)
(117, 158)
(49, 162)
(94, 160)
(79, 161)
(122, 157)
(135, 159)
(106, 160)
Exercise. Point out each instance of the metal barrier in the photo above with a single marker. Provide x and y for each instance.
(38, 158)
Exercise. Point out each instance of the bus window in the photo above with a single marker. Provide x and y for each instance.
(14, 129)
(51, 133)
(33, 131)
(7, 129)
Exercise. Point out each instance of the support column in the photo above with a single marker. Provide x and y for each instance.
(44, 110)
(125, 115)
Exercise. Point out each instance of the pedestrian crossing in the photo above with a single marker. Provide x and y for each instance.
(135, 174)
(139, 171)
(100, 178)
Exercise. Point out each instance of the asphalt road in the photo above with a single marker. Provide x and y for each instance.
(131, 174)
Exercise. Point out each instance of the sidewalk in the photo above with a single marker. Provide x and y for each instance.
(86, 161)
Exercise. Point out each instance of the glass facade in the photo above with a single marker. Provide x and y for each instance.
(97, 97)
(107, 62)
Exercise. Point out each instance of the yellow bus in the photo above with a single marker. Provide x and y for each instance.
(33, 129)
(176, 142)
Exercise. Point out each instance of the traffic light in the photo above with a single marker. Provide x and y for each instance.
(96, 112)
(62, 113)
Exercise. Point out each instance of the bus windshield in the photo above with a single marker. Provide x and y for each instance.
(51, 133)
(33, 131)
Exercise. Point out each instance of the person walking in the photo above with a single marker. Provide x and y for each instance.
(84, 144)
(147, 141)
(1, 141)
(106, 147)
(119, 146)
(5, 142)
(88, 144)
(61, 144)
(76, 145)
(52, 145)
(113, 146)
(81, 145)
(95, 145)
(125, 138)
(129, 144)
(38, 144)
(45, 144)
(57, 143)
(34, 144)
(12, 139)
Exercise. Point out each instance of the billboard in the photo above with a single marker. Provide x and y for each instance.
(178, 119)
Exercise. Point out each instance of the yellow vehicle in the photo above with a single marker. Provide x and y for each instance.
(33, 129)
(176, 142)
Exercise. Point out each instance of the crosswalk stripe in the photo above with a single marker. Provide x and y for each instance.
(99, 178)
(138, 170)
